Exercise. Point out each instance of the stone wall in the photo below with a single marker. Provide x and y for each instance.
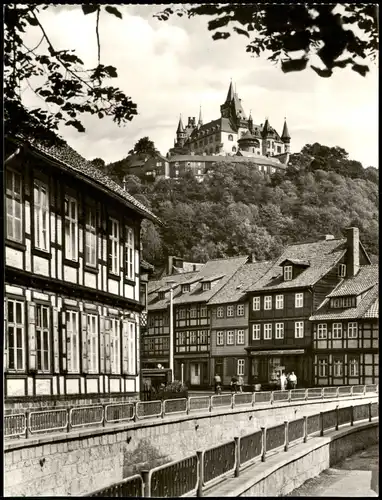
(83, 461)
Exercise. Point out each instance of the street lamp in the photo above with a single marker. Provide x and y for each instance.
(171, 284)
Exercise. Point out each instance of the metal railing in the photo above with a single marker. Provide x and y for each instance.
(24, 424)
(202, 470)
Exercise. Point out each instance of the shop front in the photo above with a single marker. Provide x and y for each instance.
(193, 371)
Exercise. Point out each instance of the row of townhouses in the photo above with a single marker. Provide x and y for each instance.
(314, 310)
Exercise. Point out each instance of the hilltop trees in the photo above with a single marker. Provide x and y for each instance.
(144, 145)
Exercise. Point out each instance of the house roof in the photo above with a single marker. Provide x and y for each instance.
(211, 278)
(298, 262)
(322, 256)
(366, 277)
(68, 159)
(368, 307)
(245, 276)
(254, 158)
(154, 287)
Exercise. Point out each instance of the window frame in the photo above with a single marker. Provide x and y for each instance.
(71, 239)
(115, 346)
(230, 337)
(75, 352)
(230, 308)
(279, 302)
(267, 302)
(129, 247)
(114, 241)
(288, 273)
(240, 367)
(16, 326)
(41, 213)
(220, 338)
(342, 270)
(322, 362)
(90, 243)
(206, 286)
(299, 330)
(256, 301)
(240, 310)
(240, 337)
(256, 331)
(322, 333)
(267, 331)
(43, 332)
(338, 361)
(279, 332)
(351, 326)
(15, 199)
(299, 300)
(337, 333)
(93, 343)
(354, 358)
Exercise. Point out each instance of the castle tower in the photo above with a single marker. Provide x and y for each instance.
(180, 133)
(226, 108)
(200, 121)
(265, 135)
(285, 137)
(250, 122)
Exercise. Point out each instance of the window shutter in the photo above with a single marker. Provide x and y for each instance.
(56, 350)
(107, 345)
(32, 336)
(125, 346)
(84, 342)
(6, 334)
(63, 358)
(102, 344)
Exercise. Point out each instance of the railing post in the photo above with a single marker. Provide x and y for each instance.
(337, 392)
(286, 430)
(188, 406)
(200, 455)
(337, 416)
(351, 416)
(306, 394)
(364, 390)
(27, 424)
(370, 417)
(104, 415)
(322, 393)
(264, 443)
(210, 404)
(232, 401)
(253, 399)
(305, 429)
(162, 408)
(69, 422)
(146, 483)
(351, 391)
(321, 423)
(237, 454)
(289, 396)
(135, 419)
(272, 398)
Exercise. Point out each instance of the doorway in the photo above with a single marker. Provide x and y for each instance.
(195, 373)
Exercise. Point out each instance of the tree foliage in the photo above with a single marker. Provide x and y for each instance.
(144, 145)
(58, 77)
(293, 33)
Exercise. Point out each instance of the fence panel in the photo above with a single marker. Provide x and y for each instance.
(199, 403)
(263, 397)
(147, 409)
(344, 415)
(175, 479)
(371, 388)
(280, 396)
(86, 415)
(48, 420)
(119, 412)
(219, 461)
(296, 430)
(314, 424)
(344, 391)
(275, 437)
(361, 412)
(221, 401)
(243, 398)
(358, 390)
(314, 393)
(250, 447)
(129, 487)
(374, 409)
(14, 425)
(330, 419)
(330, 392)
(174, 406)
(297, 394)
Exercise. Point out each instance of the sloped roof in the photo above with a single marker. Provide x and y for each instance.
(154, 287)
(368, 307)
(245, 276)
(366, 277)
(285, 133)
(298, 262)
(254, 158)
(68, 159)
(322, 256)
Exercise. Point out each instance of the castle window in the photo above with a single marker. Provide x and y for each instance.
(233, 149)
(279, 149)
(230, 137)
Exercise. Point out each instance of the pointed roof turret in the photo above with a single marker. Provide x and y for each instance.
(180, 128)
(266, 128)
(285, 136)
(250, 121)
(231, 93)
(200, 121)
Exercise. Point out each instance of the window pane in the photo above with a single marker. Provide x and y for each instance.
(10, 312)
(18, 313)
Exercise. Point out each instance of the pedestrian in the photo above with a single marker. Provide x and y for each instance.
(283, 381)
(234, 384)
(218, 382)
(293, 380)
(240, 383)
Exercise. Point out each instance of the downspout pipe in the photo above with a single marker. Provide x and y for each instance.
(13, 155)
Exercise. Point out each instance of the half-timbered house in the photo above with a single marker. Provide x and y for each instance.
(72, 279)
(346, 332)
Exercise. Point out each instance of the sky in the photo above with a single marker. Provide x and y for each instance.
(173, 67)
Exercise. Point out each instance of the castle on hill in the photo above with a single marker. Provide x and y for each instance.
(231, 134)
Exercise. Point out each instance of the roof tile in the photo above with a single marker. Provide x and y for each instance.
(366, 277)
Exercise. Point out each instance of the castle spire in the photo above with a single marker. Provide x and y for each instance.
(200, 121)
(285, 136)
(230, 94)
(180, 128)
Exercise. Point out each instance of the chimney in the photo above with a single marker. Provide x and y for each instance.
(253, 257)
(352, 236)
(169, 264)
(328, 237)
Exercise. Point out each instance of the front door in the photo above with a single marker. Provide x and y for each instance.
(195, 373)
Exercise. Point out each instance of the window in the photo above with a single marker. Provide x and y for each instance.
(41, 215)
(298, 300)
(322, 331)
(129, 332)
(240, 367)
(240, 337)
(73, 342)
(256, 332)
(90, 238)
(192, 337)
(193, 312)
(129, 253)
(342, 302)
(114, 246)
(115, 346)
(299, 329)
(92, 327)
(185, 288)
(14, 207)
(353, 367)
(268, 302)
(71, 228)
(230, 337)
(287, 273)
(267, 331)
(220, 312)
(279, 331)
(230, 311)
(322, 367)
(240, 310)
(352, 330)
(161, 295)
(16, 335)
(220, 338)
(337, 331)
(268, 144)
(182, 314)
(202, 337)
(203, 311)
(206, 286)
(342, 270)
(230, 137)
(233, 149)
(256, 303)
(176, 173)
(338, 366)
(42, 338)
(279, 301)
(158, 163)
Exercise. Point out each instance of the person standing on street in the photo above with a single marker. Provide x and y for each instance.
(293, 380)
(234, 384)
(218, 382)
(283, 381)
(240, 383)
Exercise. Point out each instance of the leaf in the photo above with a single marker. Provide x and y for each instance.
(294, 64)
(114, 11)
(89, 9)
(324, 73)
(360, 68)
(220, 35)
(241, 32)
(32, 21)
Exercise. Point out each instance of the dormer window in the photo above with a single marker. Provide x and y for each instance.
(342, 302)
(162, 295)
(206, 286)
(288, 273)
(185, 288)
(342, 270)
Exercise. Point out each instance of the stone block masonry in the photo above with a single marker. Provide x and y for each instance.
(85, 460)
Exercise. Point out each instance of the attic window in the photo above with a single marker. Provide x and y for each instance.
(185, 288)
(288, 273)
(162, 295)
(206, 286)
(342, 302)
(342, 270)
